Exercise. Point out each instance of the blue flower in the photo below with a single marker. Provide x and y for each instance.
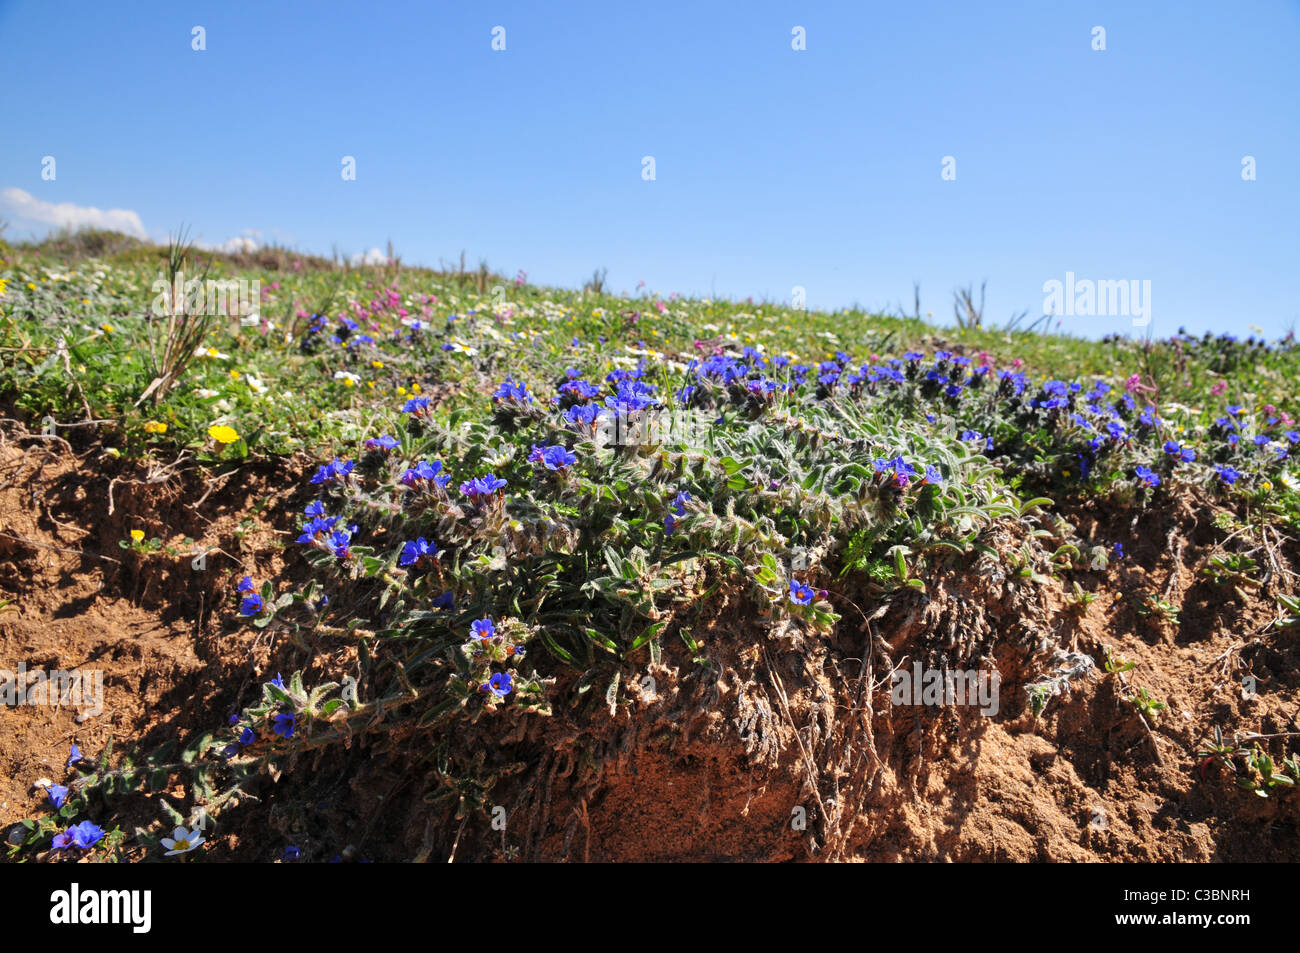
(340, 543)
(801, 593)
(1227, 474)
(336, 469)
(74, 756)
(57, 793)
(1118, 549)
(278, 682)
(445, 601)
(500, 684)
(284, 724)
(932, 475)
(246, 737)
(292, 853)
(554, 457)
(246, 585)
(679, 509)
(481, 630)
(1147, 476)
(86, 835)
(251, 605)
(315, 508)
(382, 442)
(425, 470)
(62, 840)
(414, 552)
(582, 414)
(513, 392)
(903, 471)
(580, 389)
(482, 486)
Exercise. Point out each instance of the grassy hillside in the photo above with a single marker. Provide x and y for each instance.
(501, 534)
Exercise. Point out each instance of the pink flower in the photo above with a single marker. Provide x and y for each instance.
(1018, 362)
(1218, 388)
(1133, 383)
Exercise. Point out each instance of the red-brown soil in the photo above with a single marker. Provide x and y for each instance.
(726, 752)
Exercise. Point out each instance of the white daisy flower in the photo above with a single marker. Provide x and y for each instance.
(182, 841)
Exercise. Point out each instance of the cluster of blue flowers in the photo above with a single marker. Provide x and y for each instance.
(335, 470)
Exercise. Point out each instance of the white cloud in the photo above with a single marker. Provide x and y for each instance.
(248, 240)
(27, 207)
(233, 246)
(372, 257)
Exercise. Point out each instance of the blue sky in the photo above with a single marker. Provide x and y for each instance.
(774, 168)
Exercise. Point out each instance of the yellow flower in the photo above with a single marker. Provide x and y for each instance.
(349, 382)
(376, 363)
(154, 426)
(415, 388)
(234, 375)
(30, 286)
(1266, 485)
(106, 328)
(3, 282)
(223, 434)
(401, 392)
(137, 535)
